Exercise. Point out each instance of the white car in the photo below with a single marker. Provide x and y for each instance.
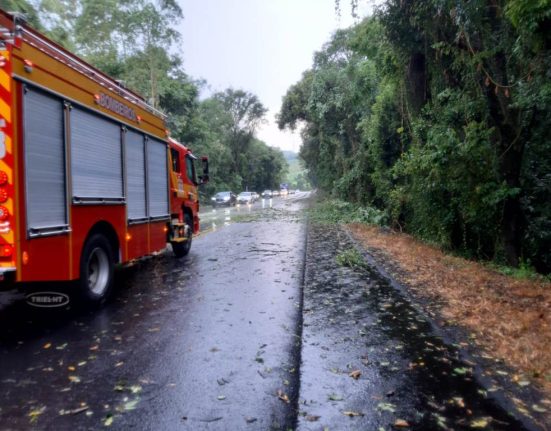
(245, 198)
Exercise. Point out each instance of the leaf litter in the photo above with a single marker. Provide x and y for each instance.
(509, 318)
(283, 396)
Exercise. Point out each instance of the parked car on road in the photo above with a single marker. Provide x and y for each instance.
(245, 198)
(275, 192)
(224, 198)
(284, 192)
(267, 194)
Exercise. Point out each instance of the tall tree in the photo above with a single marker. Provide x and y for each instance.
(246, 113)
(25, 7)
(436, 111)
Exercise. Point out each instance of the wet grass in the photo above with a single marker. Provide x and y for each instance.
(335, 211)
(523, 272)
(350, 258)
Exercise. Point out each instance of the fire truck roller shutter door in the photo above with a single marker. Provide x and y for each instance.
(44, 161)
(135, 176)
(96, 156)
(157, 178)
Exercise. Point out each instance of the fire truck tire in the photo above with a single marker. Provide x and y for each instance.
(96, 270)
(181, 249)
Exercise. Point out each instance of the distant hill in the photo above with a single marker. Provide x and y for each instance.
(296, 176)
(290, 156)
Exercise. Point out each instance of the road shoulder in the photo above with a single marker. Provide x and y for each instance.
(370, 358)
(476, 309)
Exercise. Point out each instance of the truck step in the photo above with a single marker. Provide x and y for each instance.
(178, 240)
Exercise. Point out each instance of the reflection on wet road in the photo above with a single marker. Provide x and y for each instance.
(212, 218)
(207, 342)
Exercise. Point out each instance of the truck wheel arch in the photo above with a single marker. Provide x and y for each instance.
(188, 211)
(104, 228)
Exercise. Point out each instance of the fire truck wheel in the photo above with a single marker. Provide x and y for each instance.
(96, 269)
(181, 249)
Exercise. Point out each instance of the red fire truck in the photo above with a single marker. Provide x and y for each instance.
(89, 177)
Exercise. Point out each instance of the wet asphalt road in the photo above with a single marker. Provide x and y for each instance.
(214, 218)
(258, 328)
(207, 342)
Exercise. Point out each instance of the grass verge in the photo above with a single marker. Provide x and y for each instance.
(337, 211)
(509, 318)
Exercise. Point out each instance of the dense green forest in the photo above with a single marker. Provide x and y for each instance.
(433, 114)
(437, 114)
(136, 42)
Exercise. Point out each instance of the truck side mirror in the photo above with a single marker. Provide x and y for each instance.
(205, 176)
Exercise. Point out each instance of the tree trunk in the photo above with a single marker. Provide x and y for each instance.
(509, 146)
(417, 82)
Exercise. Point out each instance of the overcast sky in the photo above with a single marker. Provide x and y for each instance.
(261, 46)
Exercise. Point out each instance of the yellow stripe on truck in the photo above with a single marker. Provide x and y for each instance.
(5, 111)
(4, 80)
(7, 233)
(7, 143)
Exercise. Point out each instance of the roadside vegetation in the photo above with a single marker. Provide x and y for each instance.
(436, 113)
(425, 128)
(350, 258)
(506, 317)
(327, 210)
(502, 310)
(137, 42)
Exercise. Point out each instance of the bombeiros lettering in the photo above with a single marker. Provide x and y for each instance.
(108, 102)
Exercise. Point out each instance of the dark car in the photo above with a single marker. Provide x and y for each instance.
(224, 198)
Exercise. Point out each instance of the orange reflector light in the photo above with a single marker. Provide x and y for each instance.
(128, 237)
(6, 250)
(2, 61)
(3, 178)
(4, 213)
(138, 118)
(3, 195)
(28, 64)
(25, 258)
(165, 229)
